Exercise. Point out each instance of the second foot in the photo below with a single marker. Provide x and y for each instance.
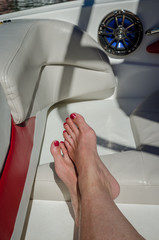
(65, 170)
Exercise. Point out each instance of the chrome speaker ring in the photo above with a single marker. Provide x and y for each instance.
(120, 32)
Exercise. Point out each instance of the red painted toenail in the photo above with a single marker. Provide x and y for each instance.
(67, 118)
(64, 123)
(56, 143)
(61, 142)
(73, 116)
(64, 131)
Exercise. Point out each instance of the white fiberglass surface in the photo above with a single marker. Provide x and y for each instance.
(52, 220)
(109, 119)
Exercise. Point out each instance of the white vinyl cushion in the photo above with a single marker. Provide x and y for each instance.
(27, 46)
(136, 172)
(71, 83)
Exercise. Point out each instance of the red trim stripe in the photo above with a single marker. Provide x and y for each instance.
(14, 175)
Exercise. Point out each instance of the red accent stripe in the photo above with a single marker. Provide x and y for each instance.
(14, 175)
(153, 48)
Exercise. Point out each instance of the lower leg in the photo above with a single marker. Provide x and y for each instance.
(100, 217)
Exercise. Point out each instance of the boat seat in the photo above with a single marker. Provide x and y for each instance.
(47, 61)
(135, 164)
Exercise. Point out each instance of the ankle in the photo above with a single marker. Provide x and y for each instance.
(92, 185)
(93, 192)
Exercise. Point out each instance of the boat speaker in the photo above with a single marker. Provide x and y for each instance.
(120, 32)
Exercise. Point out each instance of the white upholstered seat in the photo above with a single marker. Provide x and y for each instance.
(43, 62)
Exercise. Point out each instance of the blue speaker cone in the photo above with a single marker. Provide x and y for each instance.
(120, 32)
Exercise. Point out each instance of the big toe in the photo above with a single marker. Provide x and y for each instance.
(55, 149)
(79, 121)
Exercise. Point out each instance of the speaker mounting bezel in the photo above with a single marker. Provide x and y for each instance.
(121, 33)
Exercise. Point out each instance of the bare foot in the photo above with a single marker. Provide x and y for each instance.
(80, 141)
(65, 169)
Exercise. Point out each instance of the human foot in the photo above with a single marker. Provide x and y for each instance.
(65, 169)
(80, 141)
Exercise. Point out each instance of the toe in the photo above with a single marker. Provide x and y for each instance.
(64, 150)
(69, 129)
(69, 149)
(55, 149)
(69, 139)
(66, 156)
(79, 121)
(73, 127)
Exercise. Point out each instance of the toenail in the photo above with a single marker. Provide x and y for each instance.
(61, 142)
(64, 131)
(73, 115)
(67, 118)
(64, 123)
(56, 143)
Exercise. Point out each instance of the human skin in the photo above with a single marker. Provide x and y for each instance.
(100, 218)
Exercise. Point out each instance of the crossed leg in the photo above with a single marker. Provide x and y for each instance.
(100, 218)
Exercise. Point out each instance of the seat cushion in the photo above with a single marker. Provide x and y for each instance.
(137, 174)
(28, 46)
